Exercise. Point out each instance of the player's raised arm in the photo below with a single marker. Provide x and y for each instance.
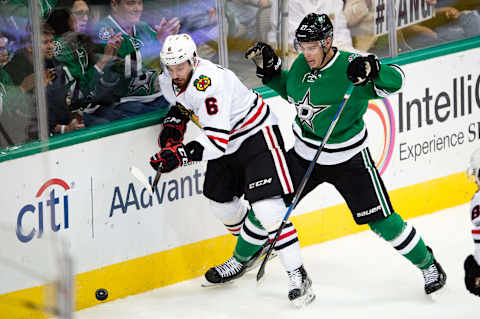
(368, 71)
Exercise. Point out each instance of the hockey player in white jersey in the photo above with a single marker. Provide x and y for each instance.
(472, 263)
(242, 143)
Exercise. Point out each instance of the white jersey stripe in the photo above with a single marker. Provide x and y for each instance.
(280, 163)
(128, 66)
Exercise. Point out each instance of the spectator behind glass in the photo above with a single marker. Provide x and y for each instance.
(197, 18)
(14, 15)
(4, 54)
(13, 123)
(21, 70)
(360, 17)
(298, 9)
(249, 20)
(80, 16)
(89, 94)
(448, 24)
(138, 46)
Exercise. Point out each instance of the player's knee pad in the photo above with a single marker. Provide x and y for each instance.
(231, 214)
(270, 212)
(472, 275)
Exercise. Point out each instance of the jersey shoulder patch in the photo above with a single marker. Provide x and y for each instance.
(202, 83)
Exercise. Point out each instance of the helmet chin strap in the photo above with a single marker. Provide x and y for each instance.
(325, 52)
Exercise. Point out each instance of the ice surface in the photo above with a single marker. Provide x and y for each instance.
(358, 276)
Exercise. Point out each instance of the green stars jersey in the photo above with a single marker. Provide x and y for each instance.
(136, 52)
(19, 8)
(81, 75)
(317, 94)
(11, 97)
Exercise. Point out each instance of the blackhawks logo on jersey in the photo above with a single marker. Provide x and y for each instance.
(202, 83)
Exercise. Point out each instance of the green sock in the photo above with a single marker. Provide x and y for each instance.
(402, 236)
(247, 246)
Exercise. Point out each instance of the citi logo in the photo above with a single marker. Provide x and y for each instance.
(260, 183)
(30, 219)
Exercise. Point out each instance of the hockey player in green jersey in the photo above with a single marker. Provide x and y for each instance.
(316, 84)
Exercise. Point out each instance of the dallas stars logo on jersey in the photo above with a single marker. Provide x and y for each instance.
(202, 83)
(306, 111)
(105, 33)
(145, 84)
(57, 48)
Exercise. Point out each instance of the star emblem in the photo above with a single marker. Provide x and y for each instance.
(306, 111)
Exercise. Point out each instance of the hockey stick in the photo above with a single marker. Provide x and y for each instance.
(304, 181)
(157, 178)
(137, 173)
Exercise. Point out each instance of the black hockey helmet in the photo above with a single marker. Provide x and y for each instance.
(314, 27)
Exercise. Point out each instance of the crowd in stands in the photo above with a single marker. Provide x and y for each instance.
(101, 56)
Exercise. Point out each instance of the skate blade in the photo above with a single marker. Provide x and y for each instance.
(438, 295)
(208, 284)
(305, 300)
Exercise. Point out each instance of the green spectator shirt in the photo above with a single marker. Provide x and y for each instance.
(19, 8)
(135, 52)
(317, 94)
(81, 74)
(11, 96)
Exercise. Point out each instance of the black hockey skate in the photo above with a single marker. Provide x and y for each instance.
(228, 271)
(300, 287)
(434, 276)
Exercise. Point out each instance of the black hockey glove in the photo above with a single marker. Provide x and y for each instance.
(268, 63)
(363, 69)
(194, 151)
(170, 157)
(472, 275)
(174, 127)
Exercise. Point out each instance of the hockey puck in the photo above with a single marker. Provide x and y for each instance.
(101, 294)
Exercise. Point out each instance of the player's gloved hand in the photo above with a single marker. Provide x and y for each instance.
(170, 157)
(472, 275)
(172, 132)
(268, 63)
(194, 151)
(363, 69)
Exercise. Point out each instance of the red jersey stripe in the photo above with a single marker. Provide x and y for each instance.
(284, 174)
(252, 119)
(222, 140)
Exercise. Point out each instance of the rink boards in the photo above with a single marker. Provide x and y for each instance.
(128, 242)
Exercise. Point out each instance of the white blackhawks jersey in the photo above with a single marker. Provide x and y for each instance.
(475, 216)
(227, 111)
